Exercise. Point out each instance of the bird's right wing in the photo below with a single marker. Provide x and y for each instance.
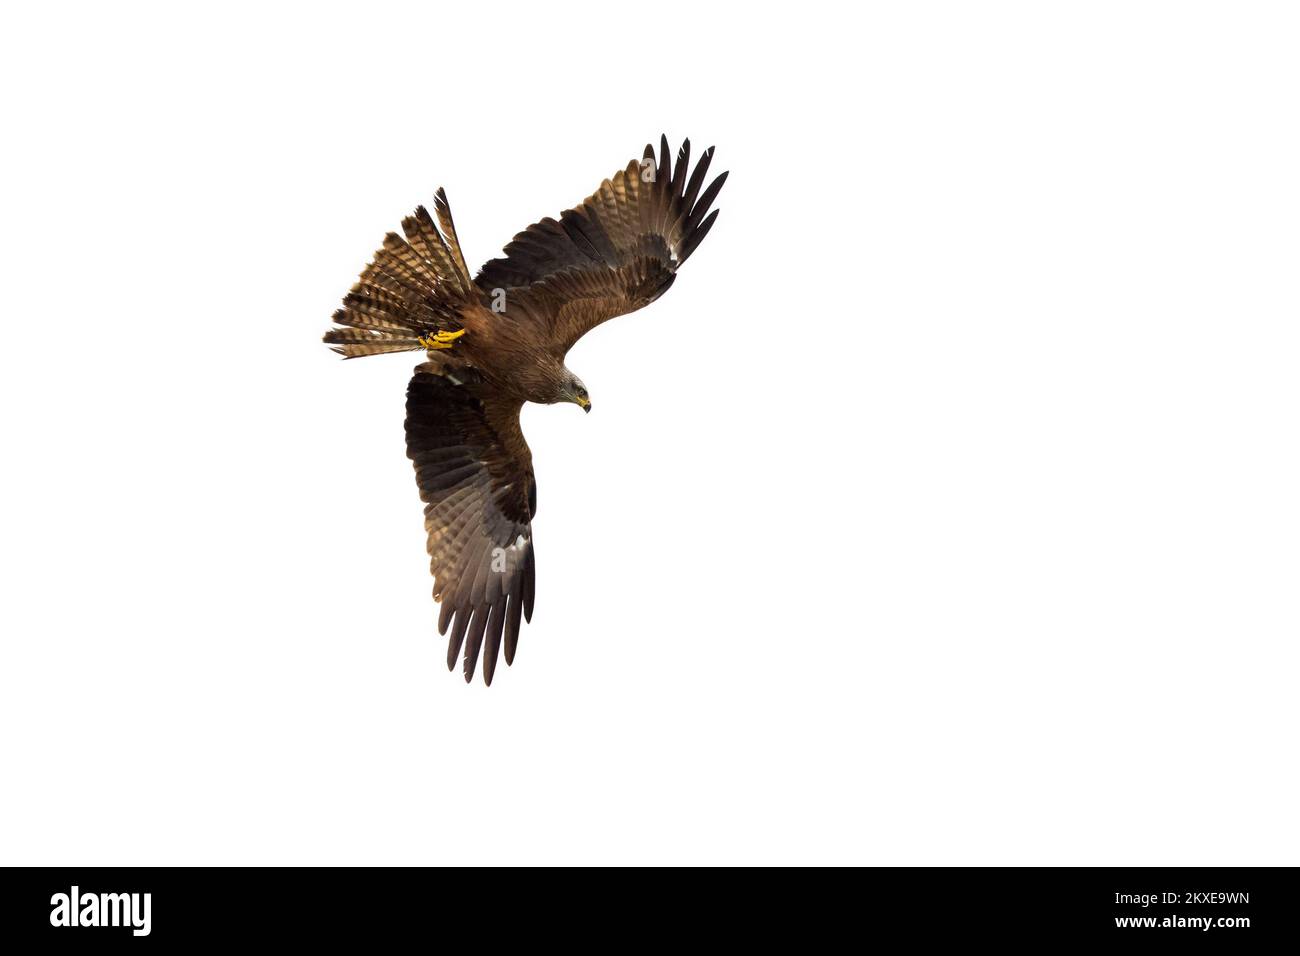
(475, 475)
(616, 252)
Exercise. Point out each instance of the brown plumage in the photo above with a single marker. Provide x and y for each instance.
(499, 340)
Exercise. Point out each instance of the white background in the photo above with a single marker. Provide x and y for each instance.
(945, 511)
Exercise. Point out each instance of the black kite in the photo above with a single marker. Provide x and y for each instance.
(498, 340)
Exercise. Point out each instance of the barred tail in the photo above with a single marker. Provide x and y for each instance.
(414, 288)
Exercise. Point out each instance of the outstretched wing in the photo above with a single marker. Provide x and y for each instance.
(475, 475)
(613, 254)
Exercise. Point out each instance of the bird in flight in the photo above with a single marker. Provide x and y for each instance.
(498, 340)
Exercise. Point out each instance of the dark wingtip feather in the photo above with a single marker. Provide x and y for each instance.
(702, 207)
(457, 636)
(530, 583)
(492, 639)
(513, 616)
(696, 181)
(696, 237)
(679, 173)
(474, 640)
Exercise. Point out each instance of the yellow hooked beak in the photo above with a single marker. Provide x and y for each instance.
(583, 403)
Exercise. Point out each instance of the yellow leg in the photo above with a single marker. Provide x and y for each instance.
(440, 340)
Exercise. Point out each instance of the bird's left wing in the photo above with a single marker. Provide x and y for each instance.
(616, 252)
(475, 475)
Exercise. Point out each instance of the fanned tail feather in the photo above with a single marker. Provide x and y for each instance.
(414, 287)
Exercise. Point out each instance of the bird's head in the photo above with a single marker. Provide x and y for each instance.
(576, 392)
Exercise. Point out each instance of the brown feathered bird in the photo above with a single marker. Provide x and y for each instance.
(498, 340)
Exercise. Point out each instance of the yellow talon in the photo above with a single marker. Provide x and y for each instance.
(440, 340)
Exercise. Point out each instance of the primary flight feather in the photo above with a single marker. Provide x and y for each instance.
(498, 340)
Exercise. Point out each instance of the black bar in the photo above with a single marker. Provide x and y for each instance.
(1225, 908)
